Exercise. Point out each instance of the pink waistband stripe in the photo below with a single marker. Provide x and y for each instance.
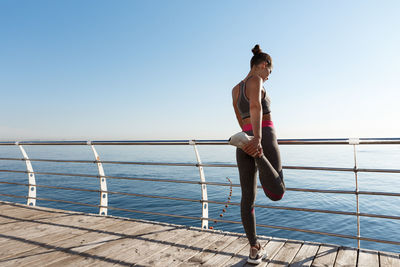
(249, 127)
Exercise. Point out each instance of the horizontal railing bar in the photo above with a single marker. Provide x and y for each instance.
(361, 141)
(208, 165)
(54, 200)
(10, 195)
(311, 210)
(112, 177)
(340, 169)
(54, 173)
(109, 192)
(107, 162)
(51, 160)
(109, 207)
(122, 142)
(217, 220)
(214, 202)
(211, 183)
(327, 141)
(155, 213)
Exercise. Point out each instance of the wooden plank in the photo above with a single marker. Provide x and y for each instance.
(200, 245)
(5, 220)
(10, 209)
(25, 248)
(41, 237)
(65, 221)
(16, 215)
(26, 212)
(82, 222)
(368, 258)
(226, 253)
(85, 251)
(4, 207)
(346, 257)
(13, 248)
(172, 254)
(167, 250)
(240, 258)
(80, 244)
(152, 245)
(29, 236)
(112, 251)
(306, 255)
(209, 251)
(271, 248)
(27, 228)
(387, 259)
(325, 256)
(36, 208)
(16, 258)
(28, 244)
(286, 254)
(15, 226)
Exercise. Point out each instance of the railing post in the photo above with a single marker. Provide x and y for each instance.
(103, 183)
(204, 198)
(31, 178)
(354, 142)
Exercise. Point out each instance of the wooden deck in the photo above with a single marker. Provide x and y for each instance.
(50, 237)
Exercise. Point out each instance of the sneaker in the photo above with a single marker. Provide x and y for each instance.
(239, 139)
(256, 255)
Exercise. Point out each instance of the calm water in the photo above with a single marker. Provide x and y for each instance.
(368, 156)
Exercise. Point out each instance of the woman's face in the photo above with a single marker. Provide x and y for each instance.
(265, 70)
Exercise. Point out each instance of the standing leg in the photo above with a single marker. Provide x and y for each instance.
(248, 183)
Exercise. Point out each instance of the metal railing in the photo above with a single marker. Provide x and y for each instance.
(103, 192)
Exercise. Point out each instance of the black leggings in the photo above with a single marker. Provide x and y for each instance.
(271, 178)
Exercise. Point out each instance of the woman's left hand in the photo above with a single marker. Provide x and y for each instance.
(253, 148)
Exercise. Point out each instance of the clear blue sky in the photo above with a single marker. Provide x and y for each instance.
(165, 69)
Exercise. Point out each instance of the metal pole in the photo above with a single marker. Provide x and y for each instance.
(31, 178)
(204, 198)
(103, 183)
(355, 142)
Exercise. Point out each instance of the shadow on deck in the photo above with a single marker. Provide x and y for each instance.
(50, 237)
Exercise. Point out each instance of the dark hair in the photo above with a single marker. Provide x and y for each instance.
(259, 57)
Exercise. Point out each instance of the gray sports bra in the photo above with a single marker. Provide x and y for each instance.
(243, 104)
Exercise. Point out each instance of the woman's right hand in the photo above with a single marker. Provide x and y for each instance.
(253, 148)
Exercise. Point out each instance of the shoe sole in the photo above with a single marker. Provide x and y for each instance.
(257, 261)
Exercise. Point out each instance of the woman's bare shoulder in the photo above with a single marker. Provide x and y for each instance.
(235, 89)
(254, 81)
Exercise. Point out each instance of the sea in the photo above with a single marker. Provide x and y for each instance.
(368, 156)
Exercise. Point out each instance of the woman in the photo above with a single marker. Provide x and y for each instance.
(257, 146)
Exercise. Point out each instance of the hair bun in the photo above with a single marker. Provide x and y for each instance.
(256, 50)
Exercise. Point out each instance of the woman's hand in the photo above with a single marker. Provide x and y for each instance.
(253, 148)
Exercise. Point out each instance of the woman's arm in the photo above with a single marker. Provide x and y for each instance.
(254, 86)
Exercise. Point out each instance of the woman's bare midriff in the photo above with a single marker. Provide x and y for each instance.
(265, 117)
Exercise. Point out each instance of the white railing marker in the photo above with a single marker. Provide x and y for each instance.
(103, 183)
(204, 197)
(31, 178)
(354, 141)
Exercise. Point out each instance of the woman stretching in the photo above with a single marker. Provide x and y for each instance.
(257, 147)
